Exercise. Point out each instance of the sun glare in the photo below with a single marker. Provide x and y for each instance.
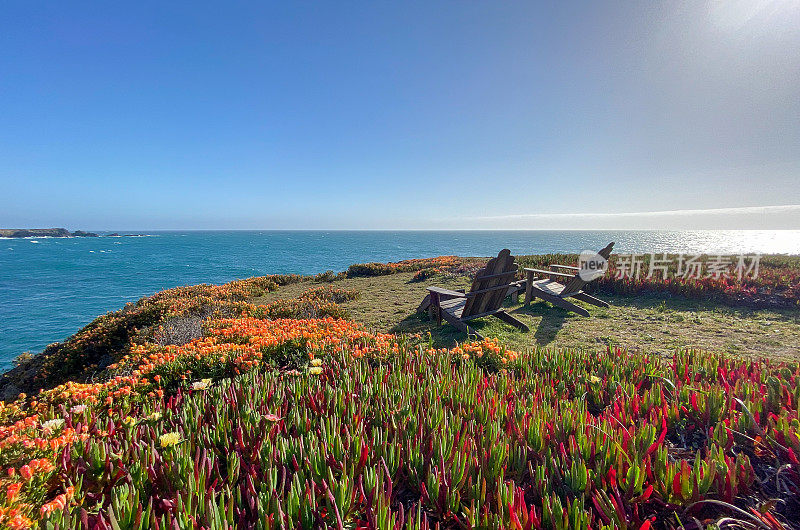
(735, 15)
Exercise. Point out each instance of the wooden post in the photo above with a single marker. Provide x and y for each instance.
(528, 287)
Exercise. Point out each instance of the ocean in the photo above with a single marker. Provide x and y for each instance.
(51, 287)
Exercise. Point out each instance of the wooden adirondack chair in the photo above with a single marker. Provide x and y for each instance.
(557, 293)
(485, 298)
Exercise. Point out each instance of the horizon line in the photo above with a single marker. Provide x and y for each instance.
(455, 230)
(572, 216)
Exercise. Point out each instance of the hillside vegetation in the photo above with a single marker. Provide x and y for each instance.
(291, 402)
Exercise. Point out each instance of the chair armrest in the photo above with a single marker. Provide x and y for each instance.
(570, 267)
(446, 293)
(550, 273)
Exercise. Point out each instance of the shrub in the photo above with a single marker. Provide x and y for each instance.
(23, 358)
(179, 330)
(299, 308)
(317, 302)
(328, 277)
(424, 274)
(108, 337)
(330, 294)
(442, 263)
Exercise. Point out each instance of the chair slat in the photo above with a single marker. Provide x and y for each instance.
(498, 275)
(495, 274)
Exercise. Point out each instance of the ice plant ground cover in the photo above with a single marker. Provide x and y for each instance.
(108, 337)
(318, 422)
(363, 429)
(452, 264)
(776, 286)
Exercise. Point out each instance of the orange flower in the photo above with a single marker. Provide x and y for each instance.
(12, 490)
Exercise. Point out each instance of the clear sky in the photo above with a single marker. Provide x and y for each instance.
(431, 114)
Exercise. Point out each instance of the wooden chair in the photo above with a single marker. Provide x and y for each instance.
(557, 293)
(491, 286)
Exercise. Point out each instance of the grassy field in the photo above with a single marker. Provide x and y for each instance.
(654, 323)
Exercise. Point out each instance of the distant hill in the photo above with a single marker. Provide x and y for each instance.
(43, 232)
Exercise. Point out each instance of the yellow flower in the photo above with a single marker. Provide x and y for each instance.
(130, 421)
(316, 362)
(201, 385)
(594, 379)
(169, 439)
(154, 416)
(315, 370)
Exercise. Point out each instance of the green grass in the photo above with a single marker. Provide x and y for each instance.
(654, 324)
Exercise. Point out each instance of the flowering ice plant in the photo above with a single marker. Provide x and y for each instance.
(170, 439)
(203, 384)
(404, 436)
(53, 425)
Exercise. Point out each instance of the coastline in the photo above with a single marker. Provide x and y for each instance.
(53, 287)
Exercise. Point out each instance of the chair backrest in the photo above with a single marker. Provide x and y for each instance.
(490, 285)
(577, 283)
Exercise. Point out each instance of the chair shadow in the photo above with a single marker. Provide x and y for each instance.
(552, 320)
(444, 336)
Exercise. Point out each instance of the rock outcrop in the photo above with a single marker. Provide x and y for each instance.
(43, 232)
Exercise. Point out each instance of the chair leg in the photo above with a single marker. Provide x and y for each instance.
(519, 289)
(425, 304)
(460, 325)
(560, 302)
(514, 290)
(589, 299)
(505, 317)
(569, 306)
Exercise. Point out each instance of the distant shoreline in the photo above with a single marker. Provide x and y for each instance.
(43, 232)
(23, 233)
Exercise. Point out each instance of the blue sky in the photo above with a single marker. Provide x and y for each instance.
(181, 115)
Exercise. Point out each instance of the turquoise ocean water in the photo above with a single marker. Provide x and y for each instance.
(49, 288)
